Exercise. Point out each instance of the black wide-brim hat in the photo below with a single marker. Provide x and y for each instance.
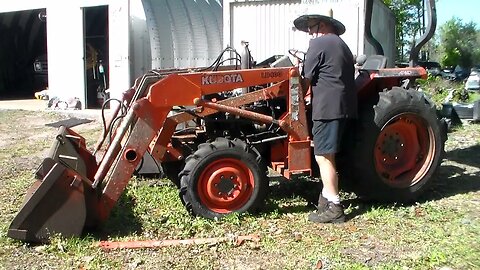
(301, 23)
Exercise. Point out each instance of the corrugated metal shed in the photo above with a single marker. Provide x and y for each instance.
(184, 33)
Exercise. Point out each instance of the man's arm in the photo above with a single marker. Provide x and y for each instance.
(312, 57)
(305, 85)
(307, 92)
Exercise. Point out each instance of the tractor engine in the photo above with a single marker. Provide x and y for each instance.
(226, 125)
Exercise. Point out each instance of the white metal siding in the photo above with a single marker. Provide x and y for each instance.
(268, 25)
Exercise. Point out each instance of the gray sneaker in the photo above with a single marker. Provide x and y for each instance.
(333, 214)
(322, 204)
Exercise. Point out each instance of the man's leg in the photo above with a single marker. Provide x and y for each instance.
(328, 173)
(326, 136)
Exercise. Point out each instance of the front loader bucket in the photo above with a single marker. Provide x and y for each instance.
(59, 200)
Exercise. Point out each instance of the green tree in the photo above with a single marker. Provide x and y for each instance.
(459, 43)
(455, 43)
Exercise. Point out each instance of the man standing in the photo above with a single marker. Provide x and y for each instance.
(329, 71)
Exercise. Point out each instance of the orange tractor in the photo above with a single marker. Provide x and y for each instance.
(216, 130)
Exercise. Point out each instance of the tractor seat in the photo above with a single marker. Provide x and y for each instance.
(371, 64)
(375, 62)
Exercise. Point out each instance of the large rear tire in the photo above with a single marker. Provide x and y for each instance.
(223, 177)
(399, 147)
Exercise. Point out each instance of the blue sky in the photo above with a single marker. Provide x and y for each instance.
(467, 10)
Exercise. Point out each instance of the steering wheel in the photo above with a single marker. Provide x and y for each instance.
(299, 55)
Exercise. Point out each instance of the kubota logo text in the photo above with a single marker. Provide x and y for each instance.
(218, 79)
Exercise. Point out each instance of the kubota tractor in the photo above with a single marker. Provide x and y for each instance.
(216, 130)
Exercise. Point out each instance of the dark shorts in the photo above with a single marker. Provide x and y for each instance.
(327, 135)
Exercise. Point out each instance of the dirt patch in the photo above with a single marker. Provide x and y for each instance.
(26, 139)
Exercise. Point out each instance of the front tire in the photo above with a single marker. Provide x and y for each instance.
(223, 177)
(399, 146)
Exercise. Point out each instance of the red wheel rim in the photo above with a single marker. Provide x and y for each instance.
(404, 150)
(225, 185)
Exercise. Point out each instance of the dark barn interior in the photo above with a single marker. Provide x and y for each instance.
(23, 53)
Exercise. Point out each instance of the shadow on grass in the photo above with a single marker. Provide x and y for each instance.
(121, 222)
(282, 188)
(469, 156)
(450, 180)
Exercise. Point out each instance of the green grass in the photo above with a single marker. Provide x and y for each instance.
(440, 230)
(474, 96)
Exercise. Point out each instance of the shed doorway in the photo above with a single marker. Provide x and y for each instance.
(95, 25)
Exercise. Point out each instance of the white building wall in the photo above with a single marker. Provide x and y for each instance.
(268, 25)
(18, 5)
(140, 49)
(119, 47)
(65, 57)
